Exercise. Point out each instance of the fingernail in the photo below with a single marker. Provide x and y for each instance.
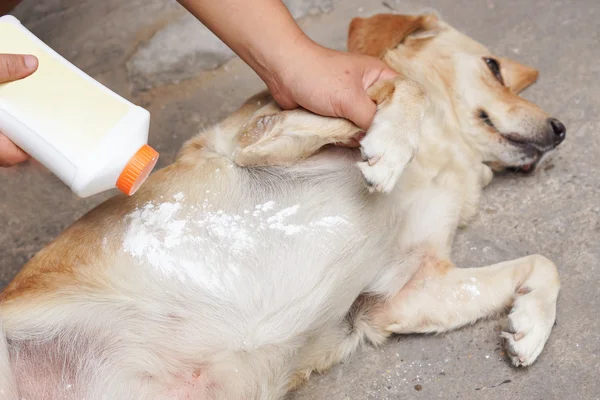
(31, 62)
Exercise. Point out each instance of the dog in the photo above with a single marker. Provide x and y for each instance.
(272, 249)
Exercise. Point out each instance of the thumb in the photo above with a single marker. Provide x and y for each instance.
(360, 110)
(388, 73)
(10, 154)
(16, 66)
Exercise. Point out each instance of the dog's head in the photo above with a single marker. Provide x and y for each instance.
(482, 89)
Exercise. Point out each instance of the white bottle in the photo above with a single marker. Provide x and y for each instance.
(87, 135)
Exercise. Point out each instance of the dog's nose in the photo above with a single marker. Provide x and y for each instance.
(560, 132)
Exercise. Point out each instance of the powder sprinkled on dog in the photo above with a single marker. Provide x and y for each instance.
(159, 234)
(152, 231)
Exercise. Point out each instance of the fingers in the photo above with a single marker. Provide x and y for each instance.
(12, 68)
(332, 84)
(386, 74)
(10, 154)
(359, 109)
(285, 103)
(15, 66)
(376, 71)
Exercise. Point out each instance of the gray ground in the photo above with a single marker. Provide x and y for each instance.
(151, 52)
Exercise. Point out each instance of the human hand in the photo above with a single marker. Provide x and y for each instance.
(330, 83)
(14, 67)
(297, 71)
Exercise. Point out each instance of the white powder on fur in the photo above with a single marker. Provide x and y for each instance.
(179, 196)
(158, 234)
(152, 231)
(266, 207)
(226, 227)
(330, 222)
(277, 221)
(471, 288)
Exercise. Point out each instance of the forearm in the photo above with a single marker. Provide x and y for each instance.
(296, 70)
(260, 32)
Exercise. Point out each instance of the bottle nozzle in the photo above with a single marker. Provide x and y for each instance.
(137, 170)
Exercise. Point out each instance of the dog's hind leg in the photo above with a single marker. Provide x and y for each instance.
(441, 298)
(284, 137)
(337, 341)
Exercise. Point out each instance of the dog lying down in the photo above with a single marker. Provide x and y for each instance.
(264, 253)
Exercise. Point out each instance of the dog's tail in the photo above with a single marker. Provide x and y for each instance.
(8, 386)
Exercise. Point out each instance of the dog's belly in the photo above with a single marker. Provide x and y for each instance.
(256, 266)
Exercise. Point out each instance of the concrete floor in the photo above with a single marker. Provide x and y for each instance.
(151, 52)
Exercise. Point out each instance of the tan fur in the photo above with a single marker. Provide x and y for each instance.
(381, 91)
(290, 253)
(518, 76)
(376, 35)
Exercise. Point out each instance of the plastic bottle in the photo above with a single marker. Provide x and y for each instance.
(88, 136)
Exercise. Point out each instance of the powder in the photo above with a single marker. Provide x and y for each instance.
(265, 207)
(276, 221)
(161, 236)
(153, 230)
(260, 208)
(283, 214)
(330, 222)
(179, 196)
(228, 228)
(472, 287)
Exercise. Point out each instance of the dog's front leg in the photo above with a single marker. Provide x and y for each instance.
(276, 137)
(393, 138)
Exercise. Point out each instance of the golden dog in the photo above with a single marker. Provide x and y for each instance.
(265, 253)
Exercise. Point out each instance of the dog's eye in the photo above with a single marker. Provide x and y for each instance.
(485, 118)
(494, 66)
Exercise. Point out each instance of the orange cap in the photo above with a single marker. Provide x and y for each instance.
(137, 170)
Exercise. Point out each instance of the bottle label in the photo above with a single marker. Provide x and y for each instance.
(65, 107)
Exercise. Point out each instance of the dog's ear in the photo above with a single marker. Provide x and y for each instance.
(375, 35)
(517, 76)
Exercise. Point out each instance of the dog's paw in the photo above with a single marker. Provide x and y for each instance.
(529, 325)
(386, 152)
